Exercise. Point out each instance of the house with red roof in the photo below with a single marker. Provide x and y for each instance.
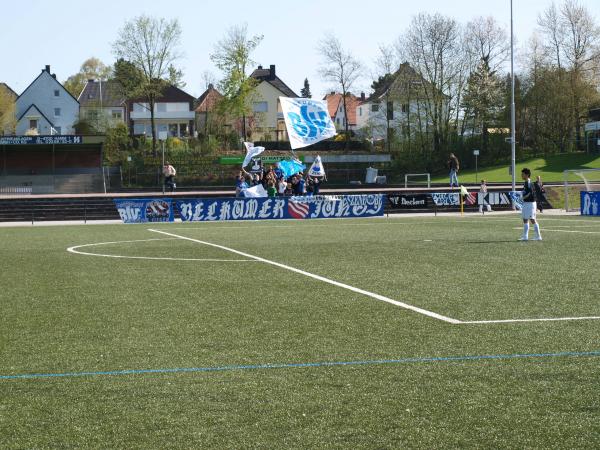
(335, 105)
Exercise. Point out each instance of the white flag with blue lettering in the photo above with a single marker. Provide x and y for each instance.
(317, 169)
(307, 121)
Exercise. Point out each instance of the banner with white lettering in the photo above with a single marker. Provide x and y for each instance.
(407, 201)
(315, 207)
(307, 121)
(590, 203)
(143, 210)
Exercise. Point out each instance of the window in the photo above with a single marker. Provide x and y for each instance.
(161, 107)
(57, 112)
(390, 110)
(375, 107)
(33, 124)
(261, 107)
(58, 130)
(173, 132)
(360, 112)
(117, 114)
(337, 120)
(56, 93)
(404, 108)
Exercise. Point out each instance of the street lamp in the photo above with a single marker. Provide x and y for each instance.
(162, 137)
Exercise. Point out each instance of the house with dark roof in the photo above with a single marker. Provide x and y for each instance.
(173, 113)
(396, 102)
(268, 123)
(335, 105)
(102, 104)
(45, 107)
(205, 107)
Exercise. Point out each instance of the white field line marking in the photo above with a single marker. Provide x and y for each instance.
(257, 226)
(575, 226)
(545, 219)
(75, 250)
(557, 319)
(571, 231)
(390, 221)
(563, 231)
(318, 277)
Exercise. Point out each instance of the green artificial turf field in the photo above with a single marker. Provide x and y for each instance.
(376, 333)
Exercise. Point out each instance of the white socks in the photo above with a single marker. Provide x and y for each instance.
(526, 230)
(536, 227)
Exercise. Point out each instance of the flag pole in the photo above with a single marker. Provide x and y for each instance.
(513, 138)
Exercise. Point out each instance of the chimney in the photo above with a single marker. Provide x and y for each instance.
(54, 76)
(332, 92)
(47, 69)
(362, 96)
(259, 67)
(211, 86)
(272, 70)
(91, 80)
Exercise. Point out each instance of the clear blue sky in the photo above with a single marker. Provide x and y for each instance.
(65, 33)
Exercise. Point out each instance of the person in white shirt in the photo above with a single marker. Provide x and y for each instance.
(169, 173)
(483, 191)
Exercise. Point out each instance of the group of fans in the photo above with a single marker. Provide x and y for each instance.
(276, 184)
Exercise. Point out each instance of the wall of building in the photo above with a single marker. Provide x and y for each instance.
(41, 93)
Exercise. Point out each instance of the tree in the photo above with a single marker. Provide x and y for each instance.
(91, 69)
(573, 44)
(484, 99)
(151, 45)
(305, 91)
(339, 66)
(8, 121)
(433, 48)
(232, 57)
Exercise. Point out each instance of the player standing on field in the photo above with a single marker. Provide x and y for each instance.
(529, 207)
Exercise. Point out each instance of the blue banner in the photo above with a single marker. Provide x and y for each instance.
(143, 210)
(315, 207)
(590, 203)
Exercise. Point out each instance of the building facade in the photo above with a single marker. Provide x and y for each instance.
(173, 113)
(102, 105)
(267, 123)
(45, 107)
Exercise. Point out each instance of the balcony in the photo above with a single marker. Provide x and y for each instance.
(169, 115)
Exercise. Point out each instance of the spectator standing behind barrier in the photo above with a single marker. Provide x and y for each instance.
(540, 193)
(169, 173)
(483, 191)
(281, 186)
(454, 167)
(240, 184)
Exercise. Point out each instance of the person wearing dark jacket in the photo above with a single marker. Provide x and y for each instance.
(528, 210)
(540, 193)
(454, 167)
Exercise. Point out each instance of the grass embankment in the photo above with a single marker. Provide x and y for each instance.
(550, 168)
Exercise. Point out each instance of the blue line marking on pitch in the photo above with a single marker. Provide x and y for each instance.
(301, 365)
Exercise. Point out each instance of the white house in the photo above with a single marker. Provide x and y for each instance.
(395, 105)
(173, 113)
(102, 104)
(46, 107)
(335, 105)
